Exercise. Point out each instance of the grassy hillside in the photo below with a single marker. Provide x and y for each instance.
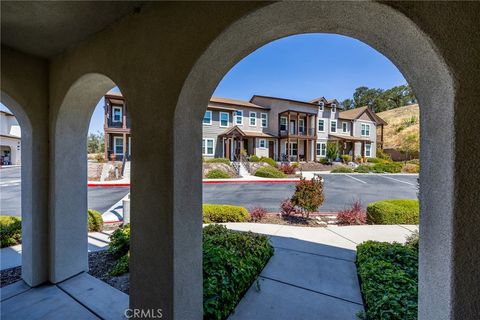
(402, 122)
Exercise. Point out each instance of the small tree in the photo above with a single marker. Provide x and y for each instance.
(332, 151)
(308, 196)
(410, 146)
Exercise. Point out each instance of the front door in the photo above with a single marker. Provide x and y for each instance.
(293, 126)
(271, 146)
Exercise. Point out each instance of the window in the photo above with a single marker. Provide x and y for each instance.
(368, 150)
(207, 118)
(301, 125)
(344, 127)
(117, 114)
(293, 148)
(239, 117)
(334, 108)
(333, 126)
(365, 129)
(264, 120)
(253, 119)
(207, 147)
(283, 123)
(321, 149)
(118, 145)
(262, 143)
(224, 119)
(320, 106)
(321, 125)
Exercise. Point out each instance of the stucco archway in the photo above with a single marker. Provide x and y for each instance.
(68, 161)
(399, 39)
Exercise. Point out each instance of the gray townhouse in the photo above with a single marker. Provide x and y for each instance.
(288, 130)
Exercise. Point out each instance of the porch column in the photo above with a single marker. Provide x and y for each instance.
(124, 145)
(306, 150)
(106, 138)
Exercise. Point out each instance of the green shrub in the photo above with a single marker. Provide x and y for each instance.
(95, 220)
(269, 172)
(270, 161)
(295, 165)
(377, 160)
(120, 241)
(217, 174)
(346, 158)
(231, 263)
(393, 212)
(341, 169)
(323, 160)
(389, 167)
(332, 151)
(388, 275)
(362, 169)
(411, 168)
(308, 195)
(253, 158)
(121, 266)
(382, 155)
(217, 160)
(10, 231)
(224, 213)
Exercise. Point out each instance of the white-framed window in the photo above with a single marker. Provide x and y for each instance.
(344, 127)
(368, 150)
(283, 123)
(208, 146)
(365, 130)
(334, 108)
(320, 106)
(118, 146)
(333, 126)
(224, 119)
(262, 143)
(252, 119)
(207, 117)
(264, 117)
(321, 149)
(321, 125)
(293, 148)
(117, 114)
(239, 117)
(301, 125)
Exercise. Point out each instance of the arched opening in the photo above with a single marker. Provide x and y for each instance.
(392, 35)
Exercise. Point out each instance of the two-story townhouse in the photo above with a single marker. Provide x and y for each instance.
(290, 130)
(10, 139)
(116, 127)
(232, 127)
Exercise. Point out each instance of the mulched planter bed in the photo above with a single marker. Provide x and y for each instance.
(314, 166)
(295, 220)
(99, 262)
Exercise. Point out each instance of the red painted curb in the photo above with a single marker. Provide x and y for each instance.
(204, 182)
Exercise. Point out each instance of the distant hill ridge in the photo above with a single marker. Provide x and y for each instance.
(402, 122)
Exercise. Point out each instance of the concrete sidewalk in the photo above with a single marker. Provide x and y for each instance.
(312, 274)
(11, 257)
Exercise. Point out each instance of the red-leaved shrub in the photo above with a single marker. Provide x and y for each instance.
(287, 208)
(257, 214)
(353, 215)
(308, 196)
(286, 168)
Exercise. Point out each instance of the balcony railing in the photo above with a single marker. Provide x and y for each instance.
(302, 132)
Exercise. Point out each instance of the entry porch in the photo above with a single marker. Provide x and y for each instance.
(237, 142)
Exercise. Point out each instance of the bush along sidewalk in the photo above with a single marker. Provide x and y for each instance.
(224, 213)
(388, 276)
(393, 212)
(232, 261)
(10, 231)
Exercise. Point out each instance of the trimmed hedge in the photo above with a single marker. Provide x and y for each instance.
(269, 172)
(341, 169)
(388, 276)
(95, 220)
(10, 231)
(224, 213)
(253, 158)
(217, 174)
(231, 262)
(393, 212)
(270, 161)
(388, 167)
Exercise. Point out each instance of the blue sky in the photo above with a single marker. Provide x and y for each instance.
(302, 67)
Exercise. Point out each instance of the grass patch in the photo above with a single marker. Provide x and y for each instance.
(269, 172)
(217, 160)
(362, 169)
(10, 231)
(341, 169)
(393, 212)
(388, 275)
(388, 167)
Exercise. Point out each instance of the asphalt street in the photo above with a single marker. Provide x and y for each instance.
(340, 191)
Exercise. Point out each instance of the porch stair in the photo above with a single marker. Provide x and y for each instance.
(243, 172)
(126, 170)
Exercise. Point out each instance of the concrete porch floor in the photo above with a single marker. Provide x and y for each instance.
(80, 297)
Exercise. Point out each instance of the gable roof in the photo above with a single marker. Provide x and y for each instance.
(243, 133)
(354, 114)
(284, 99)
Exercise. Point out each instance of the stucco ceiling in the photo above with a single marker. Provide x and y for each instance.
(45, 28)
